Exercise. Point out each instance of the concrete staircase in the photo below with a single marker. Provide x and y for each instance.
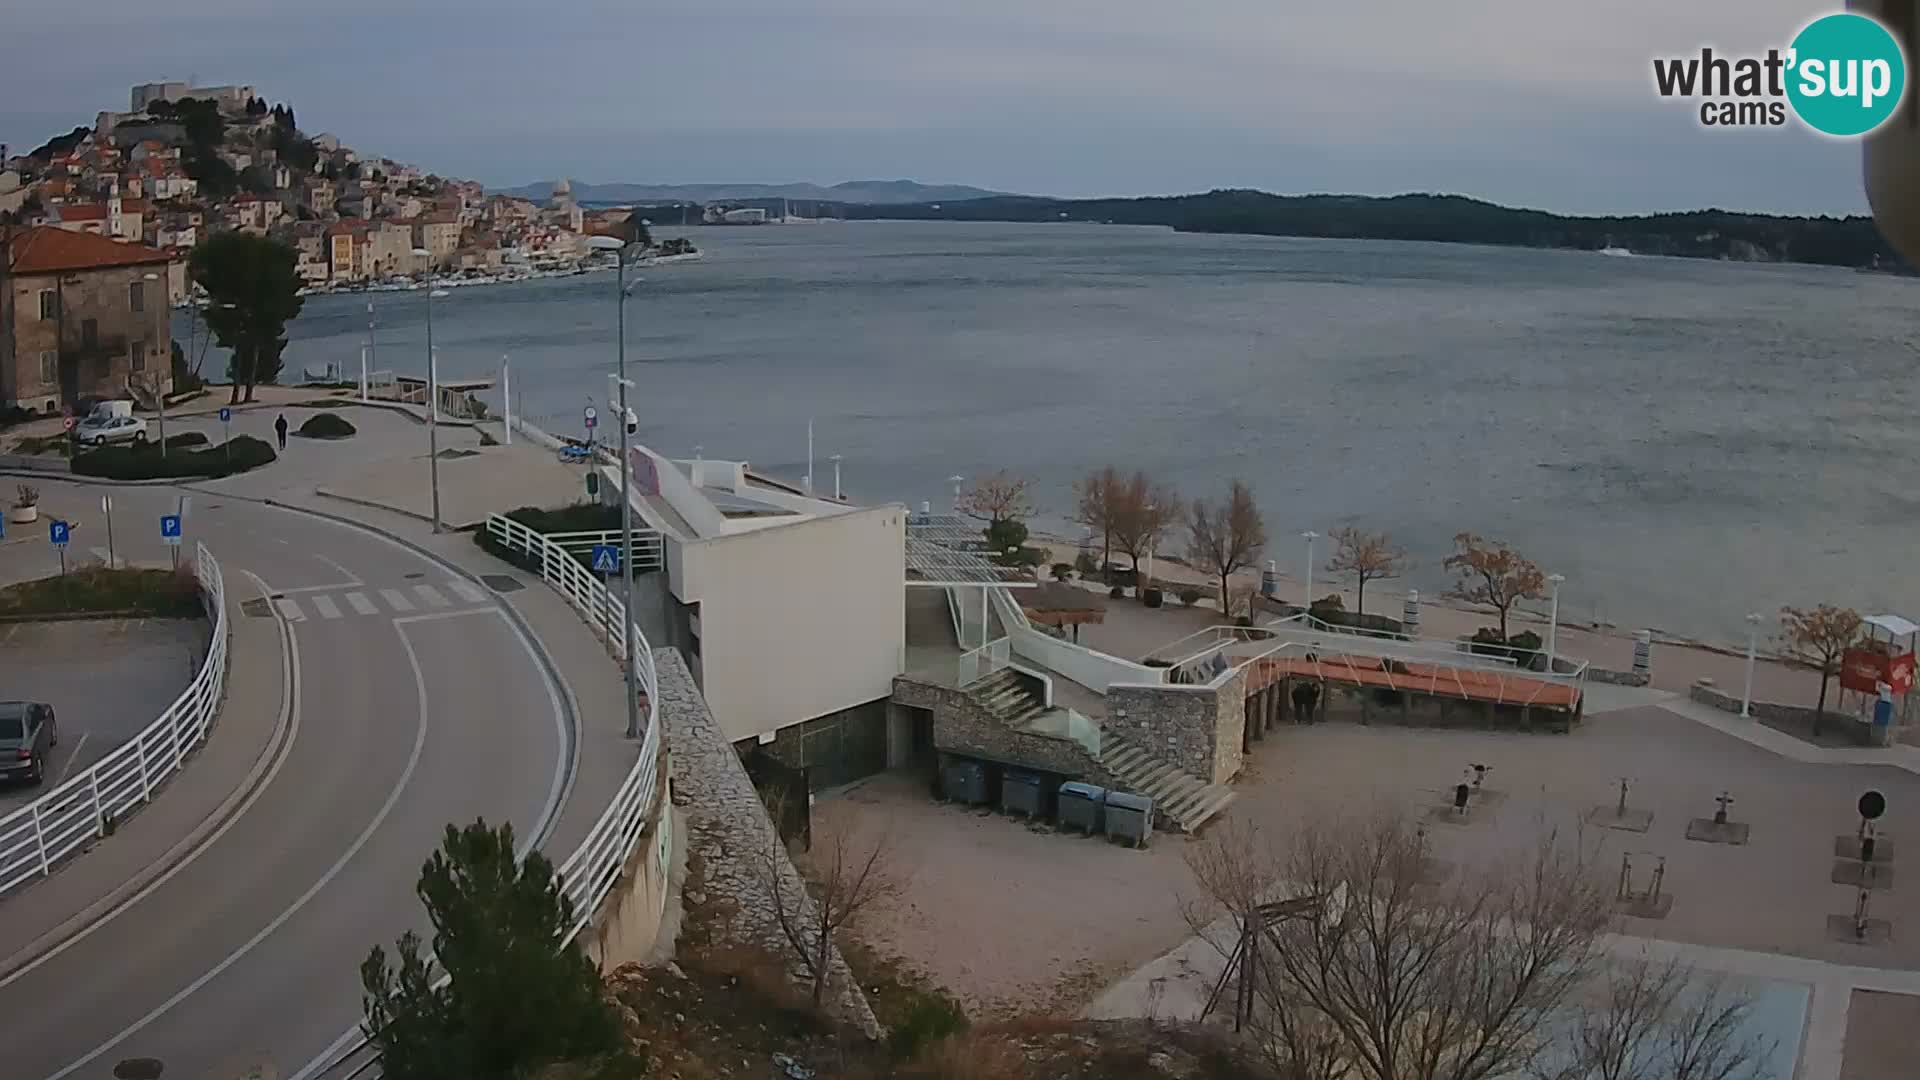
(1009, 700)
(1181, 799)
(1178, 796)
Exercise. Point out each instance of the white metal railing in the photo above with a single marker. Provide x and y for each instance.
(977, 664)
(648, 550)
(591, 872)
(84, 807)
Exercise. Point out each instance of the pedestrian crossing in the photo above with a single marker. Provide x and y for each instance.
(347, 604)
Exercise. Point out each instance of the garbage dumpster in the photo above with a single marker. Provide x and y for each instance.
(1021, 792)
(1080, 806)
(966, 782)
(1129, 817)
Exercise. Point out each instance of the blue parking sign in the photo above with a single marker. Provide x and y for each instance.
(170, 528)
(225, 415)
(58, 532)
(606, 558)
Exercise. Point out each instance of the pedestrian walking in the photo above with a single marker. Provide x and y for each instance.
(280, 429)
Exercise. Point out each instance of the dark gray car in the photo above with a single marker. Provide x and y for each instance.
(28, 732)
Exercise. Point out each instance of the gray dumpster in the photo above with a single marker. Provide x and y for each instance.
(1080, 806)
(1021, 792)
(966, 782)
(1129, 817)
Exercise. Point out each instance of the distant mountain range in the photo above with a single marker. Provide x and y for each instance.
(860, 192)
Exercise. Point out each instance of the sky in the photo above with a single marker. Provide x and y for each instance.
(1547, 104)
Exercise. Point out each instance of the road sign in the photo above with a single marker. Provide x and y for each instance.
(606, 559)
(226, 415)
(59, 532)
(593, 418)
(66, 423)
(170, 529)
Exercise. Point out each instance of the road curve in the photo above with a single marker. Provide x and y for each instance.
(415, 702)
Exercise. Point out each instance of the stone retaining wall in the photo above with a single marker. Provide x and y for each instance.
(728, 828)
(1199, 728)
(1621, 678)
(962, 726)
(1706, 693)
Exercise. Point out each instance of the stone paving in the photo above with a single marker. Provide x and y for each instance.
(729, 831)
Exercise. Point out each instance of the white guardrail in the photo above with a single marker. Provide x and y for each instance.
(591, 872)
(84, 807)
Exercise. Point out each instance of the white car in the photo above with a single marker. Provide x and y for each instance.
(101, 430)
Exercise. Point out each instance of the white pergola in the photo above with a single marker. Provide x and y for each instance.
(945, 551)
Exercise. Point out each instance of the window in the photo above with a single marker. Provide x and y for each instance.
(49, 304)
(137, 355)
(89, 333)
(137, 296)
(49, 367)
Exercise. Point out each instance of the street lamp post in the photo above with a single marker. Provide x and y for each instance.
(433, 407)
(621, 292)
(1753, 645)
(836, 477)
(1553, 617)
(956, 480)
(1309, 536)
(163, 382)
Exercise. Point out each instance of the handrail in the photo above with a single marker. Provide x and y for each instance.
(649, 551)
(593, 869)
(86, 806)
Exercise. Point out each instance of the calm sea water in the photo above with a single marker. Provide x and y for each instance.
(1685, 441)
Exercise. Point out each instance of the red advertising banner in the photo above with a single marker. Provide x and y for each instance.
(1865, 669)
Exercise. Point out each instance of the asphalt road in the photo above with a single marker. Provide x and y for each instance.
(417, 704)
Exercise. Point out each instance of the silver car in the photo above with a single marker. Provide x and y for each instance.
(101, 430)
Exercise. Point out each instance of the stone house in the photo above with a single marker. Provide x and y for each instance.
(79, 315)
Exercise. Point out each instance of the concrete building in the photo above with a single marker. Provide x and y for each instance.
(439, 234)
(790, 609)
(79, 315)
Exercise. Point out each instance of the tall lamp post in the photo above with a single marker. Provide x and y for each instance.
(622, 291)
(1309, 536)
(433, 405)
(1553, 617)
(1753, 645)
(166, 380)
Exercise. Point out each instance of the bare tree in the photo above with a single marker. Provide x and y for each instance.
(998, 497)
(1650, 1020)
(848, 870)
(1368, 557)
(1226, 539)
(1142, 513)
(1094, 500)
(1493, 574)
(1819, 639)
(1402, 972)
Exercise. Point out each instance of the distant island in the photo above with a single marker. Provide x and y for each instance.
(861, 192)
(1699, 234)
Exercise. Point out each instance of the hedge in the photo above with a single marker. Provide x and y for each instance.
(326, 426)
(186, 439)
(145, 462)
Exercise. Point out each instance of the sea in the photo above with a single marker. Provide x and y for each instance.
(1685, 441)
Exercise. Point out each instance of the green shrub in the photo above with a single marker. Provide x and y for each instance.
(185, 439)
(1189, 596)
(1116, 592)
(1062, 571)
(1086, 565)
(326, 425)
(930, 1018)
(145, 462)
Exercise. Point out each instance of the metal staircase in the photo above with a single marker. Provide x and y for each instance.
(1181, 799)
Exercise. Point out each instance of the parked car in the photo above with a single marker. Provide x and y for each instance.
(101, 430)
(28, 732)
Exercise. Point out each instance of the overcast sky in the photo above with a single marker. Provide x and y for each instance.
(1546, 104)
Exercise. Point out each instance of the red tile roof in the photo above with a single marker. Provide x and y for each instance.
(82, 212)
(48, 250)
